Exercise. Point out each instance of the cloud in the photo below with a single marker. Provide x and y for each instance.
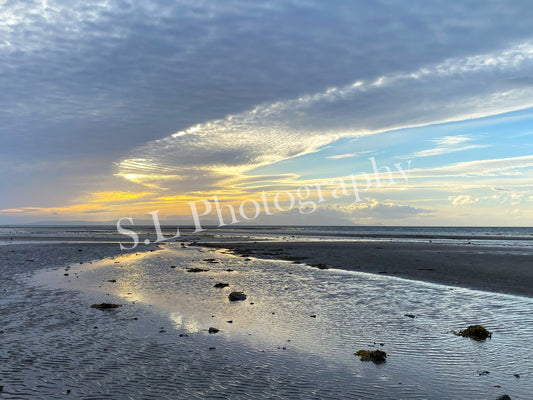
(374, 210)
(461, 200)
(341, 156)
(477, 168)
(248, 84)
(273, 132)
(447, 144)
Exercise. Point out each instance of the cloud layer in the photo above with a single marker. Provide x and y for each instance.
(185, 97)
(455, 89)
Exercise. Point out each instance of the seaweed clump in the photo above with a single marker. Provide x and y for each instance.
(106, 306)
(476, 332)
(376, 356)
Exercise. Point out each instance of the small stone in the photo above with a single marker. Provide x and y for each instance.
(481, 373)
(504, 397)
(196, 270)
(236, 296)
(313, 315)
(475, 332)
(213, 330)
(516, 375)
(112, 280)
(220, 285)
(106, 306)
(410, 315)
(376, 356)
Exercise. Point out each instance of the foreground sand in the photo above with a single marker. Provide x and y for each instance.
(294, 337)
(503, 270)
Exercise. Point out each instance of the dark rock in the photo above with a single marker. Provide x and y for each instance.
(229, 322)
(183, 335)
(410, 315)
(236, 296)
(213, 330)
(172, 266)
(313, 315)
(516, 375)
(65, 274)
(220, 285)
(376, 356)
(504, 397)
(106, 306)
(112, 280)
(229, 270)
(196, 270)
(481, 373)
(476, 332)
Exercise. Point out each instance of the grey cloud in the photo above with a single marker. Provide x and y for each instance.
(96, 79)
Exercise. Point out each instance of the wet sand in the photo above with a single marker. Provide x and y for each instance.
(495, 269)
(294, 337)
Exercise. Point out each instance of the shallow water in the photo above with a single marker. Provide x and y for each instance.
(353, 311)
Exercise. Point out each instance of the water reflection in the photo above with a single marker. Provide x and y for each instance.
(331, 314)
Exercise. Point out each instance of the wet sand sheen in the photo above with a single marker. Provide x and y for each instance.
(351, 311)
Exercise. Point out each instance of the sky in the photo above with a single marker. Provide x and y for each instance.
(115, 109)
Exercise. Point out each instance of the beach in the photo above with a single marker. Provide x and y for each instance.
(310, 305)
(494, 269)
